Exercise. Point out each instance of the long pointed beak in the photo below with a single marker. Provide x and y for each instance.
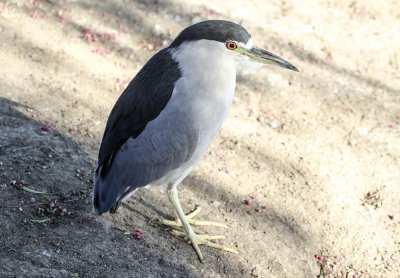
(266, 57)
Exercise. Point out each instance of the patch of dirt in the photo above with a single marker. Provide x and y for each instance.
(305, 171)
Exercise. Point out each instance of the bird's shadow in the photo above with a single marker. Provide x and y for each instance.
(201, 189)
(130, 205)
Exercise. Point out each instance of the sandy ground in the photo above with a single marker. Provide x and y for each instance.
(317, 152)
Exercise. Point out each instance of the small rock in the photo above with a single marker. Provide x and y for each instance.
(157, 30)
(150, 46)
(261, 120)
(273, 124)
(254, 272)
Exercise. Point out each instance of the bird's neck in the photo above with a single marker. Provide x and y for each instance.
(207, 68)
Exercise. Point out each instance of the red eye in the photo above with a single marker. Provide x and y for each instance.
(231, 45)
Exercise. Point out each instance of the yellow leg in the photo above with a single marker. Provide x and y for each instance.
(184, 221)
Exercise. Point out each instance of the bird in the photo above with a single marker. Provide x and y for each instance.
(167, 117)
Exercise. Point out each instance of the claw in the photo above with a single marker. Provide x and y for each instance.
(178, 223)
(204, 240)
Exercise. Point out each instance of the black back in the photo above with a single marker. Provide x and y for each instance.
(216, 30)
(141, 102)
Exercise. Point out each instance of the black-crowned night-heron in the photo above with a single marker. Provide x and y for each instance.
(165, 120)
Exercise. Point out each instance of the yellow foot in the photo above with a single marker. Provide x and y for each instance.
(189, 217)
(196, 237)
(204, 239)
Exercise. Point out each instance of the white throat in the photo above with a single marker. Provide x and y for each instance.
(207, 62)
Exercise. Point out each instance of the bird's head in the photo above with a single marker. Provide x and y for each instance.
(234, 38)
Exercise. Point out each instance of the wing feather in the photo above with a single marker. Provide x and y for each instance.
(141, 102)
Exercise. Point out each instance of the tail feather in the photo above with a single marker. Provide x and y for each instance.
(115, 207)
(106, 196)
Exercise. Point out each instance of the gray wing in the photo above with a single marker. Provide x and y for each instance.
(141, 102)
(166, 143)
